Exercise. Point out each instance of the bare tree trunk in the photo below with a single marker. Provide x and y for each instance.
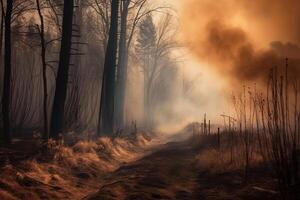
(147, 99)
(1, 30)
(44, 70)
(7, 73)
(106, 116)
(1, 47)
(72, 107)
(57, 116)
(122, 67)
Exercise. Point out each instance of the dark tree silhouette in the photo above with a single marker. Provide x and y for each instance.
(72, 106)
(41, 29)
(7, 72)
(106, 116)
(136, 10)
(57, 116)
(1, 30)
(122, 66)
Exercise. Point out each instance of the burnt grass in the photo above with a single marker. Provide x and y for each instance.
(174, 172)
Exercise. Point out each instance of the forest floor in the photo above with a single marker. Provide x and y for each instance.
(177, 171)
(174, 167)
(29, 170)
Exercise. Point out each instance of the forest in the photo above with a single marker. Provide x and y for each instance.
(149, 99)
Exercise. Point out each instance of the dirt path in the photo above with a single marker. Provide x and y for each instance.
(172, 172)
(169, 173)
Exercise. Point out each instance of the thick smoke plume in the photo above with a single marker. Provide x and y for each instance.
(243, 39)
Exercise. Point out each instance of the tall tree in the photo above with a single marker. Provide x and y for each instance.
(146, 44)
(72, 107)
(122, 66)
(154, 46)
(136, 10)
(41, 30)
(106, 116)
(57, 116)
(1, 47)
(1, 29)
(7, 72)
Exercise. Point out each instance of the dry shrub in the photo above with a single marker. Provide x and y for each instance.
(228, 157)
(62, 166)
(6, 195)
(86, 147)
(218, 162)
(37, 171)
(268, 123)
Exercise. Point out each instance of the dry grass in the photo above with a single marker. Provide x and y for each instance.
(226, 158)
(68, 172)
(265, 131)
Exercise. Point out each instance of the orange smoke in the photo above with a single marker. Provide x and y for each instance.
(243, 39)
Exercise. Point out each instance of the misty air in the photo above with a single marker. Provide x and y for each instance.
(149, 99)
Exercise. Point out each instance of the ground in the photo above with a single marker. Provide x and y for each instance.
(173, 172)
(176, 167)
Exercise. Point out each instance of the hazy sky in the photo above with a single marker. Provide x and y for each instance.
(235, 42)
(208, 94)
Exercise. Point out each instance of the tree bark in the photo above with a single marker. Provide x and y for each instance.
(72, 106)
(7, 73)
(44, 70)
(1, 30)
(122, 67)
(57, 117)
(106, 116)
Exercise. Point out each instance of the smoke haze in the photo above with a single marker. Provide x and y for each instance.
(243, 39)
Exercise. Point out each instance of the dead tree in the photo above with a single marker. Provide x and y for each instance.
(1, 30)
(153, 48)
(102, 8)
(41, 30)
(1, 45)
(72, 107)
(136, 10)
(122, 65)
(230, 131)
(106, 115)
(7, 72)
(57, 116)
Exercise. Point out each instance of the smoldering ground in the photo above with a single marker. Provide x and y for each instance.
(243, 39)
